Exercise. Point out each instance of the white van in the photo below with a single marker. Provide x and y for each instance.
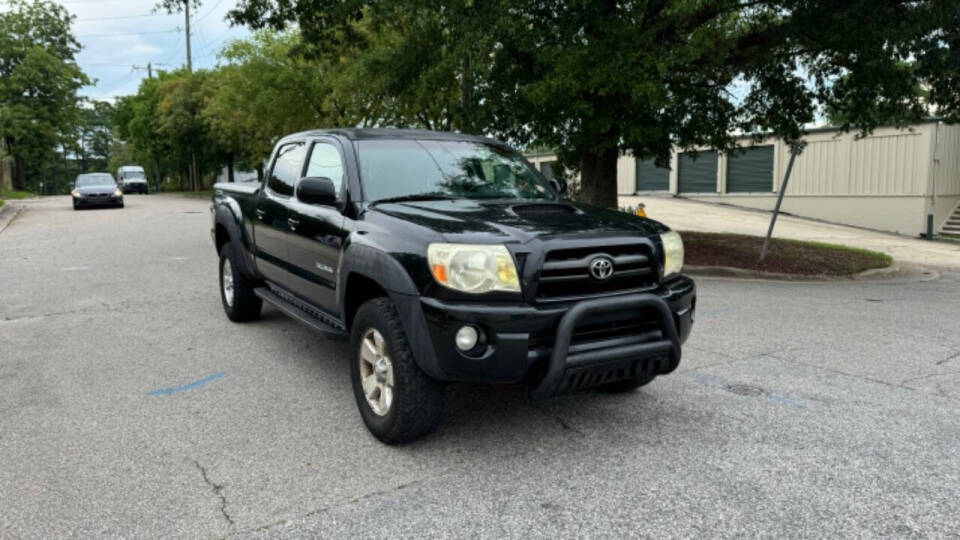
(132, 179)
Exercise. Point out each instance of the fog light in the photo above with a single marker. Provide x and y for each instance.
(467, 338)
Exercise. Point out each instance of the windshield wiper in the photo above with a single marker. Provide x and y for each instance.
(415, 197)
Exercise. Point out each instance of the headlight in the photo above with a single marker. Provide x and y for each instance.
(473, 268)
(117, 193)
(672, 253)
(76, 193)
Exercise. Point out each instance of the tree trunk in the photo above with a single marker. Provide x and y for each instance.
(193, 172)
(230, 167)
(19, 174)
(598, 178)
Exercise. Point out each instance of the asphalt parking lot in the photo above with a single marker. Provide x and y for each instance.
(130, 406)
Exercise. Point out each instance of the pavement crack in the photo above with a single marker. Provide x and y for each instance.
(949, 358)
(354, 500)
(564, 423)
(217, 490)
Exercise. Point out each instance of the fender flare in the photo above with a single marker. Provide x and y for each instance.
(378, 266)
(228, 215)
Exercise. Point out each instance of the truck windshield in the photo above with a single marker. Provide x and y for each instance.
(132, 174)
(406, 169)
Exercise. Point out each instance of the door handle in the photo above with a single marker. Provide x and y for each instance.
(260, 213)
(293, 222)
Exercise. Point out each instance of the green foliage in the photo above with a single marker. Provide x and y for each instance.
(262, 92)
(39, 79)
(596, 78)
(94, 136)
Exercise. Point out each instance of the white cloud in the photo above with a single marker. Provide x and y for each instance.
(119, 34)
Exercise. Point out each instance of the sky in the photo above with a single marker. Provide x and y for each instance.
(117, 35)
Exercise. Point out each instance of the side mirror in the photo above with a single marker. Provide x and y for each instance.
(317, 190)
(559, 185)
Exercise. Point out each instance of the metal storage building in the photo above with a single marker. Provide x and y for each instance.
(890, 180)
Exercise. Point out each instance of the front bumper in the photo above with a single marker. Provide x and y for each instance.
(98, 201)
(556, 347)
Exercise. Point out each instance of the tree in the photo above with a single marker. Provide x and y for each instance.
(179, 119)
(266, 90)
(137, 123)
(39, 79)
(598, 78)
(94, 136)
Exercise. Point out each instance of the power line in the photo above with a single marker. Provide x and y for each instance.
(214, 8)
(122, 17)
(129, 33)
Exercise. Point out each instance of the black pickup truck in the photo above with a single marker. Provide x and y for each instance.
(444, 257)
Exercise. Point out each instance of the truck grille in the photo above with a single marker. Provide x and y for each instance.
(588, 333)
(566, 272)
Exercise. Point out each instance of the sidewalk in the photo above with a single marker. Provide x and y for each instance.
(683, 214)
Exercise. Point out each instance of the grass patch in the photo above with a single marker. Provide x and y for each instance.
(16, 195)
(784, 256)
(1, 203)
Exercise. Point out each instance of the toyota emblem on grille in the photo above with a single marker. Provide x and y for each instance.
(601, 268)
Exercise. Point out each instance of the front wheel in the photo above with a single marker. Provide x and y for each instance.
(397, 400)
(240, 302)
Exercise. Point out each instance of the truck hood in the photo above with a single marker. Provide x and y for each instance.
(503, 220)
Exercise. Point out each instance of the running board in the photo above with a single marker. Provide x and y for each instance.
(307, 316)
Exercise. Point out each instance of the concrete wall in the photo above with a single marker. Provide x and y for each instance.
(904, 215)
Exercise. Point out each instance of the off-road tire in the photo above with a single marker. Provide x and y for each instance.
(246, 304)
(417, 405)
(627, 385)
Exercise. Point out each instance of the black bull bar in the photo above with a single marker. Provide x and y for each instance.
(564, 365)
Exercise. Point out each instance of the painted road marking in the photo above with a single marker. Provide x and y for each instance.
(184, 388)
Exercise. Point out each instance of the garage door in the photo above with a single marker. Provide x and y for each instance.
(751, 172)
(697, 175)
(652, 178)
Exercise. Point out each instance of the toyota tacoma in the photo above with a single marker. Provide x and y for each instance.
(443, 257)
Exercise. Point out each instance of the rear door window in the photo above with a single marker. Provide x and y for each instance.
(286, 168)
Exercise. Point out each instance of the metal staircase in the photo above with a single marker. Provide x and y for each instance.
(952, 224)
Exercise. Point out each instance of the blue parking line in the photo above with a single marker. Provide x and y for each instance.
(184, 388)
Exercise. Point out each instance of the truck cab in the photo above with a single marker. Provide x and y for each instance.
(443, 257)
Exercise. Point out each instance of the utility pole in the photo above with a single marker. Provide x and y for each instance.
(186, 12)
(795, 149)
(149, 68)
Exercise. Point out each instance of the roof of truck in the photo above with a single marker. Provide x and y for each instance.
(357, 134)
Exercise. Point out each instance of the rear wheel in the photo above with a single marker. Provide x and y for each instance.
(240, 303)
(397, 400)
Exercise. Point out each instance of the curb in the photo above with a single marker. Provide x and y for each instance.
(894, 272)
(8, 213)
